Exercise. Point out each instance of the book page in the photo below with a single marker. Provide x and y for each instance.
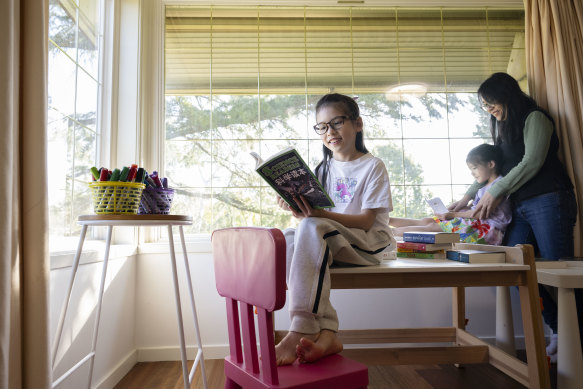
(437, 205)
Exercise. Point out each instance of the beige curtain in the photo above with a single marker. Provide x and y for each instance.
(24, 264)
(554, 57)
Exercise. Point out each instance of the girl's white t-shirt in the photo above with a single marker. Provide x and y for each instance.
(360, 184)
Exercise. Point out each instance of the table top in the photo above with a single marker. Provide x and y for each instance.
(561, 274)
(407, 265)
(135, 220)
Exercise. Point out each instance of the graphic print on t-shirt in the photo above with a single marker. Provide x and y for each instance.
(344, 189)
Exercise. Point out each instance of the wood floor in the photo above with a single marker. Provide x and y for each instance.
(168, 375)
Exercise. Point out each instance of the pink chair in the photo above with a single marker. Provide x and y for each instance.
(250, 270)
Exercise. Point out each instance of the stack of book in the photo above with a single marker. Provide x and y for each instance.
(426, 245)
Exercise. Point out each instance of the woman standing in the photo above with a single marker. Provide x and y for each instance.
(544, 206)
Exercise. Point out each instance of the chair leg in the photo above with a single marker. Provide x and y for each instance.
(230, 384)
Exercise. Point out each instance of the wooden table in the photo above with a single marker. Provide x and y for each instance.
(136, 221)
(518, 271)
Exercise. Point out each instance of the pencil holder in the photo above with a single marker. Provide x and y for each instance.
(156, 201)
(116, 198)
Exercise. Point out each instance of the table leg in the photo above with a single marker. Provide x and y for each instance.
(569, 358)
(99, 303)
(178, 310)
(504, 322)
(68, 297)
(199, 354)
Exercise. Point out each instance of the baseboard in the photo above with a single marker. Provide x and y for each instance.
(153, 354)
(119, 371)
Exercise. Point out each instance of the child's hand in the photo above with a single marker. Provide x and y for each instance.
(460, 204)
(306, 208)
(282, 204)
(445, 216)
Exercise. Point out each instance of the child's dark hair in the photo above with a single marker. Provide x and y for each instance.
(484, 153)
(350, 108)
(503, 89)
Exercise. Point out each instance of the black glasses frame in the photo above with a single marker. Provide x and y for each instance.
(322, 127)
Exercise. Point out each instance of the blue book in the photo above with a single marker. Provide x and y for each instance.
(431, 237)
(476, 256)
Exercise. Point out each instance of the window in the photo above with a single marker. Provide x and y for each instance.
(247, 78)
(75, 39)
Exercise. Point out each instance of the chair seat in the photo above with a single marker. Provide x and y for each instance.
(333, 372)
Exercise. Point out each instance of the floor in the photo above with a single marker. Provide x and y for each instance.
(168, 375)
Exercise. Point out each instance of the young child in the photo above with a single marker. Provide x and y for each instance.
(354, 232)
(485, 163)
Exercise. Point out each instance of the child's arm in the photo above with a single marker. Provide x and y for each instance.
(450, 215)
(364, 220)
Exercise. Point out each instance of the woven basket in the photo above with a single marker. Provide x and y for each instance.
(156, 201)
(116, 198)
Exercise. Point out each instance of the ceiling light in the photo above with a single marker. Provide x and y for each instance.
(399, 91)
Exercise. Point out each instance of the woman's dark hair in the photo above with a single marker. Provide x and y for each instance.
(350, 108)
(501, 88)
(484, 153)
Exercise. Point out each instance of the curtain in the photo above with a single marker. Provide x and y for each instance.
(24, 261)
(554, 49)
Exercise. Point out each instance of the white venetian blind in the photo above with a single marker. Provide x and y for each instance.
(249, 50)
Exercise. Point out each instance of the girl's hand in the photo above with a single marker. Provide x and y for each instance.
(446, 216)
(486, 205)
(306, 208)
(460, 204)
(282, 204)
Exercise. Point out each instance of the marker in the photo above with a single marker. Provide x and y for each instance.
(132, 173)
(140, 175)
(103, 175)
(165, 183)
(150, 181)
(154, 176)
(95, 173)
(115, 175)
(124, 174)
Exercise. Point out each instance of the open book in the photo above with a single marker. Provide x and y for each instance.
(437, 205)
(290, 176)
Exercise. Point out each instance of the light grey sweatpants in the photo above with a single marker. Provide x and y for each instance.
(311, 249)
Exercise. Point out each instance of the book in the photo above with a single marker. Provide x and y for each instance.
(476, 256)
(422, 255)
(404, 250)
(423, 246)
(431, 237)
(437, 205)
(288, 174)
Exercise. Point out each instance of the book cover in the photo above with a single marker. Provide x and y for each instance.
(431, 237)
(288, 174)
(476, 256)
(422, 255)
(404, 250)
(423, 246)
(437, 205)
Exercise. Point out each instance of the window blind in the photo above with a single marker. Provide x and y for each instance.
(271, 50)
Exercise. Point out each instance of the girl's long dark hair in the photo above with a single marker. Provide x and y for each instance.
(501, 88)
(484, 153)
(350, 108)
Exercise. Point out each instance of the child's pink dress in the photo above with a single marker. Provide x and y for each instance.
(488, 231)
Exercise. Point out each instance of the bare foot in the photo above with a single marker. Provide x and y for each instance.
(326, 344)
(285, 351)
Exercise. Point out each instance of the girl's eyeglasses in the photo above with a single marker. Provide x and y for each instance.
(336, 123)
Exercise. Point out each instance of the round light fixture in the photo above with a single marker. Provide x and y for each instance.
(403, 90)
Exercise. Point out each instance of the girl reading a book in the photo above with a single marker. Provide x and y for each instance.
(354, 232)
(485, 164)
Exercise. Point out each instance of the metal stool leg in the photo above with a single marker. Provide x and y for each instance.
(178, 310)
(99, 303)
(68, 297)
(199, 355)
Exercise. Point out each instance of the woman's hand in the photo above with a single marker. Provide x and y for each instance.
(460, 204)
(486, 205)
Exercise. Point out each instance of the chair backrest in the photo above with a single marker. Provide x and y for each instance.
(250, 269)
